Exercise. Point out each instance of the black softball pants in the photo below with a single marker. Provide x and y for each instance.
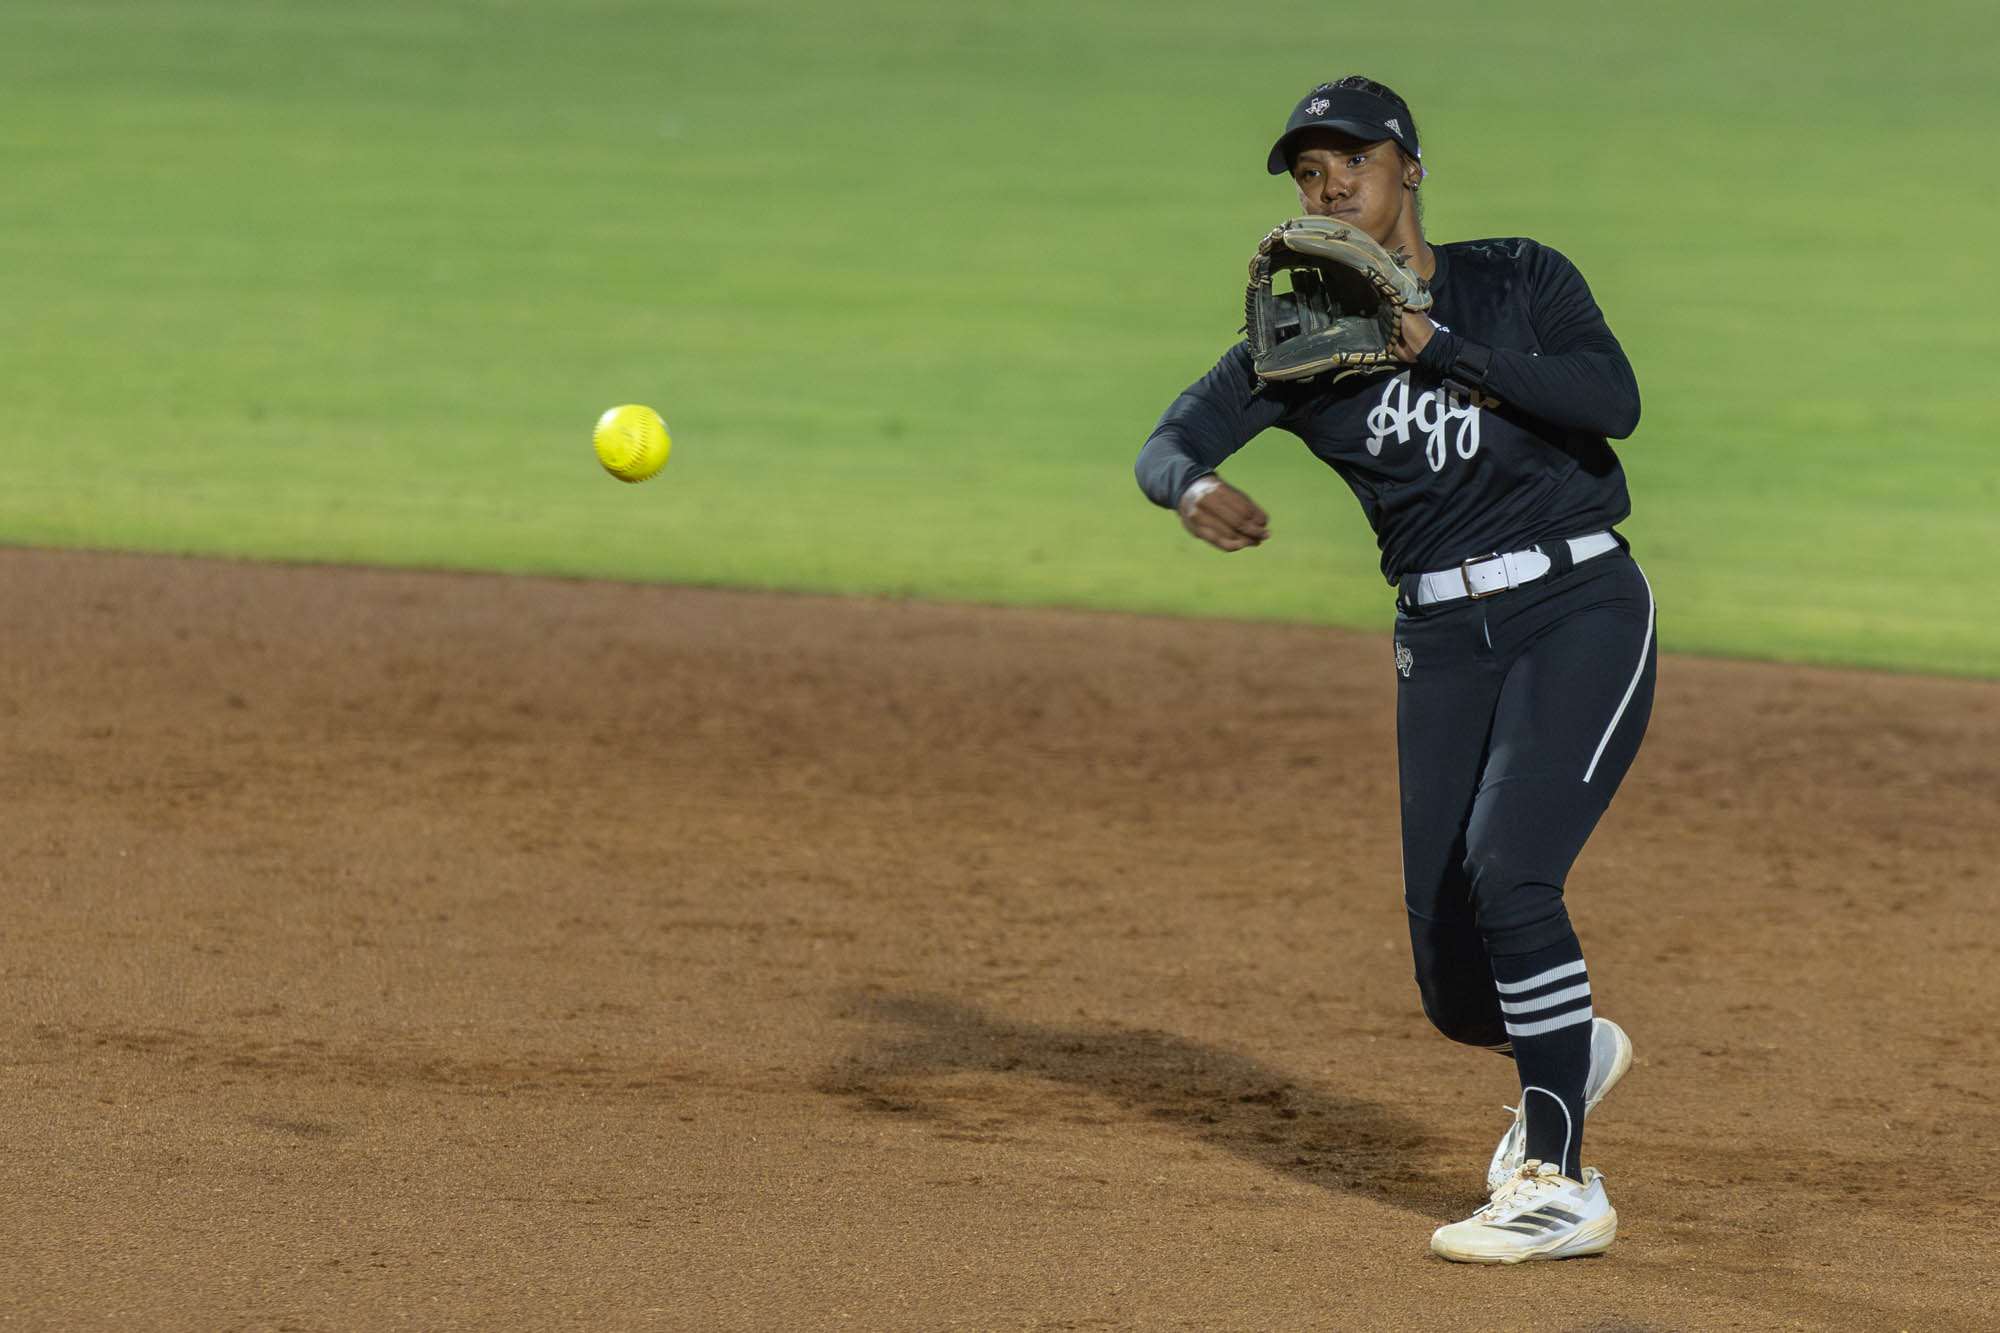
(1517, 716)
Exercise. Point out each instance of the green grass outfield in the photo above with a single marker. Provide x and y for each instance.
(911, 282)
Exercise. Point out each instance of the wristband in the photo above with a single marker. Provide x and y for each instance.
(1197, 488)
(1471, 363)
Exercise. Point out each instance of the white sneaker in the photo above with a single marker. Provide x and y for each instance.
(1610, 1057)
(1534, 1214)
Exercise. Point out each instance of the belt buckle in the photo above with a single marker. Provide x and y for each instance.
(1465, 573)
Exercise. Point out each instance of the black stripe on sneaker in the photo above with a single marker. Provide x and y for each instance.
(1540, 1221)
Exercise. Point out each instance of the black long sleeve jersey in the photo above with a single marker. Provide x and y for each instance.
(1494, 440)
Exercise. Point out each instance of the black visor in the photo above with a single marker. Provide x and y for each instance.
(1349, 111)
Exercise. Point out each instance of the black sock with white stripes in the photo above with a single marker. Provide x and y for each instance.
(1545, 999)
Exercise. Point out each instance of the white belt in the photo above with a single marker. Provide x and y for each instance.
(1484, 575)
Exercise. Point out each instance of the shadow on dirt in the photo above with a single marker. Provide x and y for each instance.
(1215, 1096)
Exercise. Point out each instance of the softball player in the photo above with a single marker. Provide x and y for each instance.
(1524, 645)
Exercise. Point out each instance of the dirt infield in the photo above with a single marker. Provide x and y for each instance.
(430, 951)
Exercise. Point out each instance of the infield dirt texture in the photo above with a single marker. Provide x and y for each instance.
(456, 951)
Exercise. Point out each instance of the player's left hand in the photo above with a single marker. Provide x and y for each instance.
(1413, 334)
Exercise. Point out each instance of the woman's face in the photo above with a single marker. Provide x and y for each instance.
(1367, 184)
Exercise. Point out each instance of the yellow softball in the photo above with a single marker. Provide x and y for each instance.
(632, 442)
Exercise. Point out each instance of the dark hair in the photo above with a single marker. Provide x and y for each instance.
(1361, 83)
